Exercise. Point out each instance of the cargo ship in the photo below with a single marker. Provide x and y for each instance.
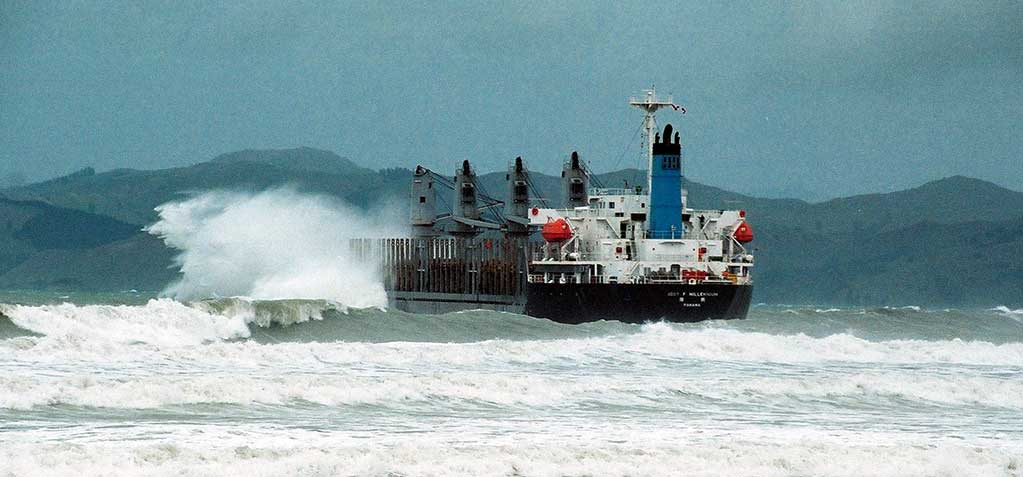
(634, 254)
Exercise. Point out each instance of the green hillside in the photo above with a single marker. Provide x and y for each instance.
(131, 195)
(48, 247)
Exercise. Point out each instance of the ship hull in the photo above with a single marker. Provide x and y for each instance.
(580, 303)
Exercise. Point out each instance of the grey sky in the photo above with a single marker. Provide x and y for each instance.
(785, 99)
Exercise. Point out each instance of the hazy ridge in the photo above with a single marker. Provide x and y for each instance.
(952, 242)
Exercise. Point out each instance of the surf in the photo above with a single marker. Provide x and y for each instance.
(271, 245)
(168, 323)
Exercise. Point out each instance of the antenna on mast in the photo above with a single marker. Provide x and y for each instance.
(650, 104)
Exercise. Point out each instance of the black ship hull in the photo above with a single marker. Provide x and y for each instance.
(434, 276)
(580, 303)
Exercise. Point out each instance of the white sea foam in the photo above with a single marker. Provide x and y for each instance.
(165, 336)
(441, 389)
(163, 322)
(908, 307)
(170, 388)
(274, 312)
(1010, 313)
(87, 332)
(508, 389)
(531, 455)
(726, 344)
(278, 244)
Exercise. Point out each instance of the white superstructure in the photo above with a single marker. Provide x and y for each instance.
(608, 241)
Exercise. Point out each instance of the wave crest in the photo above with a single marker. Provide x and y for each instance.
(272, 245)
(374, 336)
(476, 390)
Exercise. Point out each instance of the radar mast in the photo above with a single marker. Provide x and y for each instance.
(650, 104)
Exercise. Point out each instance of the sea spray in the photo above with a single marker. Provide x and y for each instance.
(276, 244)
(176, 388)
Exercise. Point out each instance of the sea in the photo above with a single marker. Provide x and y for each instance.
(132, 384)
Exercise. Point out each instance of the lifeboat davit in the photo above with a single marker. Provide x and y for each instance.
(556, 231)
(743, 232)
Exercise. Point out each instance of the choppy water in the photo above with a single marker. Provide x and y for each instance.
(305, 387)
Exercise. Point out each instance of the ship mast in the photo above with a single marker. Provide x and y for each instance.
(650, 104)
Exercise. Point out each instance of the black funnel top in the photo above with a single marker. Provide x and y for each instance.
(663, 145)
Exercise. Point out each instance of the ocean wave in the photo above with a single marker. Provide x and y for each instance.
(162, 322)
(166, 322)
(472, 389)
(907, 307)
(730, 344)
(8, 329)
(266, 313)
(519, 455)
(1016, 315)
(881, 324)
(296, 329)
(653, 347)
(440, 389)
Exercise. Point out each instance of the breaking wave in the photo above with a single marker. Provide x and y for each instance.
(163, 322)
(277, 244)
(474, 390)
(167, 322)
(314, 387)
(888, 323)
(1010, 313)
(352, 336)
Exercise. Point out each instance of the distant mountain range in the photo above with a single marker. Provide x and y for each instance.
(953, 242)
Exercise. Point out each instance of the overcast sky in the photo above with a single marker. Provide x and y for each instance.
(804, 99)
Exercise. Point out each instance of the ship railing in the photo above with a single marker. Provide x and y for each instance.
(587, 212)
(474, 267)
(670, 257)
(739, 258)
(661, 280)
(666, 234)
(562, 279)
(612, 191)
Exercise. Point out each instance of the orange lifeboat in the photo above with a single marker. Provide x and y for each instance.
(556, 231)
(743, 232)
